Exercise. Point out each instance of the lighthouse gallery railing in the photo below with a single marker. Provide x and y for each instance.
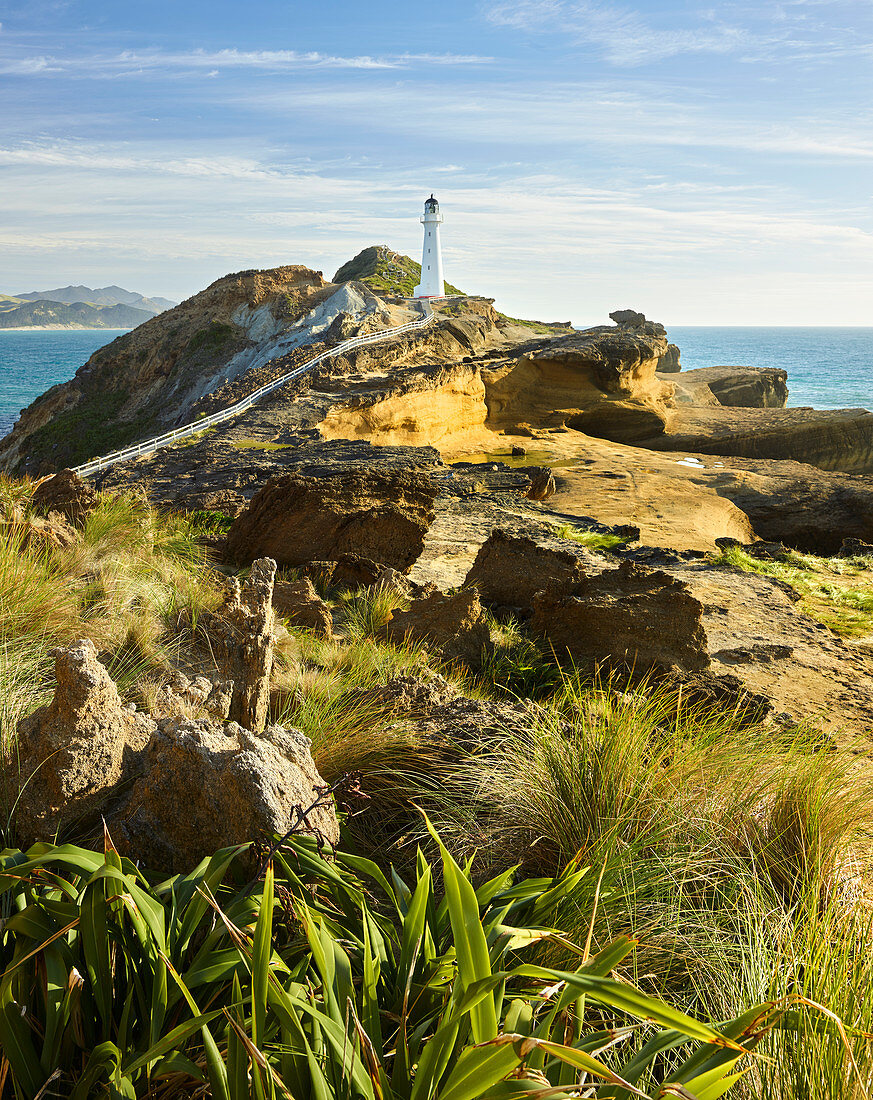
(147, 446)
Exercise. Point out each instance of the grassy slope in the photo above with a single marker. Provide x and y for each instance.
(728, 848)
(386, 271)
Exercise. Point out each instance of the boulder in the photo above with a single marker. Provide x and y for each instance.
(355, 571)
(509, 570)
(301, 605)
(630, 615)
(67, 494)
(232, 785)
(670, 364)
(628, 317)
(76, 754)
(453, 624)
(736, 387)
(542, 484)
(379, 514)
(241, 635)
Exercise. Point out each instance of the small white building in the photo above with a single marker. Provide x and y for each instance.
(431, 285)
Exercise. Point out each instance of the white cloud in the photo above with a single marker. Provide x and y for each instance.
(138, 62)
(624, 37)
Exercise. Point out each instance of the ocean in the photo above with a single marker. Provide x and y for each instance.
(828, 368)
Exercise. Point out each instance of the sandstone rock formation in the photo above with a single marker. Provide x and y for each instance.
(300, 604)
(510, 570)
(67, 494)
(242, 637)
(671, 363)
(629, 615)
(454, 625)
(601, 381)
(375, 514)
(735, 387)
(76, 754)
(205, 787)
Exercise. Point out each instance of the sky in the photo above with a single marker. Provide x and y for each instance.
(706, 163)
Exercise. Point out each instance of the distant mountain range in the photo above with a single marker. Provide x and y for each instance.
(79, 307)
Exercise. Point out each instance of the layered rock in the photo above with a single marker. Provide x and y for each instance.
(454, 625)
(296, 519)
(737, 387)
(602, 381)
(76, 754)
(205, 788)
(629, 615)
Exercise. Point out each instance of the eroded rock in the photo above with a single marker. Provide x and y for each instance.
(68, 495)
(453, 624)
(301, 605)
(382, 515)
(630, 615)
(76, 754)
(206, 787)
(242, 638)
(509, 570)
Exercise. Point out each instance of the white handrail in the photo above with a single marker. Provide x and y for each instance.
(147, 446)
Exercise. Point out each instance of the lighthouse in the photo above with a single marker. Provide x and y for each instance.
(431, 285)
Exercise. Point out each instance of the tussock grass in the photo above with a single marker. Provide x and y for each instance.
(593, 540)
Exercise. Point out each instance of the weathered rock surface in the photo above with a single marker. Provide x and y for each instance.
(602, 381)
(67, 494)
(629, 615)
(76, 754)
(180, 697)
(300, 604)
(832, 439)
(296, 519)
(509, 570)
(455, 625)
(241, 635)
(445, 716)
(736, 387)
(671, 363)
(205, 787)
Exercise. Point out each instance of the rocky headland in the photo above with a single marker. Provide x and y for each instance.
(627, 514)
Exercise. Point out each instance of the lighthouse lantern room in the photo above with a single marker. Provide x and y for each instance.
(431, 285)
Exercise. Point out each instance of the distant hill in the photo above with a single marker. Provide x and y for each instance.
(102, 296)
(43, 313)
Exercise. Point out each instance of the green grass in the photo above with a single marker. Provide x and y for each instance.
(91, 428)
(545, 328)
(593, 540)
(259, 445)
(386, 272)
(212, 339)
(836, 591)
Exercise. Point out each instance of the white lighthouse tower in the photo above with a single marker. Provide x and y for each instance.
(431, 285)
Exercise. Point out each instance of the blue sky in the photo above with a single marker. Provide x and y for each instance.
(707, 163)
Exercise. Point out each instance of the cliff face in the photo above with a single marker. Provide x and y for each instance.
(146, 380)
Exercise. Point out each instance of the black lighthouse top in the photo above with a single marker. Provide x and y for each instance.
(431, 206)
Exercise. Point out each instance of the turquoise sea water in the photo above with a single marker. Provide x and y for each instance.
(829, 368)
(32, 361)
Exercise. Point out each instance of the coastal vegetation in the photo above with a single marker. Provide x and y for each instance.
(838, 591)
(385, 272)
(615, 890)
